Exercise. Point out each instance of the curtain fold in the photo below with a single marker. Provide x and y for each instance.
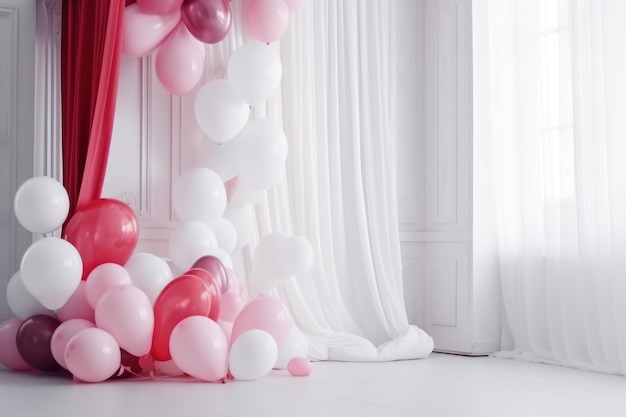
(338, 104)
(90, 57)
(550, 91)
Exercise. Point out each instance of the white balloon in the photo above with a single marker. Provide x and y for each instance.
(255, 71)
(241, 218)
(296, 346)
(265, 153)
(189, 242)
(253, 355)
(223, 158)
(300, 253)
(41, 204)
(224, 257)
(244, 194)
(270, 255)
(51, 270)
(219, 112)
(149, 273)
(199, 195)
(21, 302)
(226, 235)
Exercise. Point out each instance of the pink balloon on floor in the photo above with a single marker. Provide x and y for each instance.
(299, 367)
(264, 313)
(9, 355)
(93, 355)
(62, 336)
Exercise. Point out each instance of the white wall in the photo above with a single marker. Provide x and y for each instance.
(17, 63)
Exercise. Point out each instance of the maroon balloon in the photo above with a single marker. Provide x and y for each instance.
(213, 265)
(33, 342)
(214, 290)
(207, 20)
(103, 230)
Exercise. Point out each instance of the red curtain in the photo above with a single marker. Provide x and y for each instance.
(90, 60)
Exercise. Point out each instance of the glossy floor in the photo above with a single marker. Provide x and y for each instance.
(442, 385)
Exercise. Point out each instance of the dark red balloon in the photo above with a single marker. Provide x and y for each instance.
(207, 20)
(182, 297)
(104, 230)
(216, 296)
(33, 342)
(213, 265)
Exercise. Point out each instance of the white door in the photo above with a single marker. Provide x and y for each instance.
(17, 79)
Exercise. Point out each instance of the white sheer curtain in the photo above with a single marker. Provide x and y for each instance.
(550, 100)
(338, 103)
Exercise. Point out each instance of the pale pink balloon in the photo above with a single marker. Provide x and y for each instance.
(267, 20)
(199, 348)
(103, 278)
(9, 355)
(180, 61)
(299, 367)
(230, 307)
(264, 313)
(126, 312)
(144, 32)
(93, 355)
(159, 6)
(77, 307)
(227, 328)
(62, 336)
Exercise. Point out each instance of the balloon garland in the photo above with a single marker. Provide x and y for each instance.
(91, 305)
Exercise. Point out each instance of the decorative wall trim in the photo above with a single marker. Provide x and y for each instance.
(176, 148)
(145, 183)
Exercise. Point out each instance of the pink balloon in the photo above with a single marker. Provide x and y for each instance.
(77, 307)
(264, 313)
(93, 355)
(207, 20)
(231, 306)
(180, 61)
(199, 348)
(62, 336)
(9, 355)
(267, 20)
(159, 6)
(227, 328)
(299, 367)
(126, 312)
(144, 32)
(103, 278)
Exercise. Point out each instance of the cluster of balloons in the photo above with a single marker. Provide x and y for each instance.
(89, 304)
(179, 29)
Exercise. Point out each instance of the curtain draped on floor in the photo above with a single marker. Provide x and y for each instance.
(90, 56)
(338, 110)
(549, 97)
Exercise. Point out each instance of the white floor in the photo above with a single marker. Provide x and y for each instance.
(442, 385)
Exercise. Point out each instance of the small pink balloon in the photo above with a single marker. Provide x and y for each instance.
(207, 20)
(77, 307)
(199, 348)
(180, 61)
(264, 313)
(159, 6)
(144, 32)
(299, 367)
(93, 355)
(267, 20)
(126, 313)
(103, 278)
(62, 336)
(9, 355)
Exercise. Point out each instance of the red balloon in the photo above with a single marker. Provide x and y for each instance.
(216, 296)
(207, 20)
(213, 265)
(104, 230)
(33, 342)
(184, 296)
